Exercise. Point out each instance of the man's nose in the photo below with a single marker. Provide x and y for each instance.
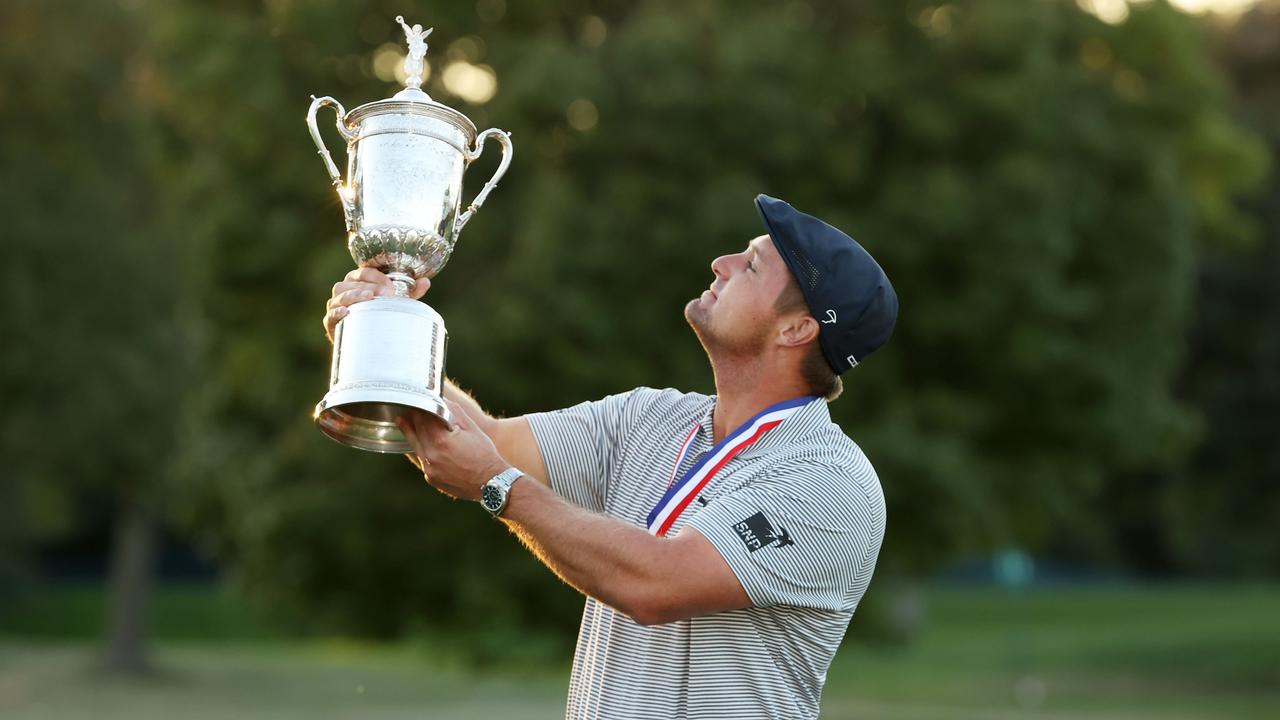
(720, 266)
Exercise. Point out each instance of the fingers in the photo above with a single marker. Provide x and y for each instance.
(420, 288)
(347, 294)
(331, 319)
(367, 275)
(410, 432)
(349, 291)
(363, 283)
(360, 285)
(460, 417)
(357, 286)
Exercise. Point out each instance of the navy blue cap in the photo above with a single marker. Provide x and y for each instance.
(844, 287)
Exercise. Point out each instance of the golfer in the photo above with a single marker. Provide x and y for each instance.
(722, 542)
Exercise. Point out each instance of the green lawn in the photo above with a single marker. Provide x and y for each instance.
(1178, 652)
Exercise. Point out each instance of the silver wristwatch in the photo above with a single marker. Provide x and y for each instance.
(493, 494)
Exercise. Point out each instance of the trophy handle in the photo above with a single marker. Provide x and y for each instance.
(338, 184)
(504, 139)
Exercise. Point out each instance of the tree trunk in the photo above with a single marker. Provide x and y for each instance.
(132, 548)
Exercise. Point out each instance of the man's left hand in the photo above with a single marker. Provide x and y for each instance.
(456, 462)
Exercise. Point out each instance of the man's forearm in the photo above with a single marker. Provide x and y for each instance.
(468, 403)
(606, 558)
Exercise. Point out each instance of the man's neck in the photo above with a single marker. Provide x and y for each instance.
(746, 387)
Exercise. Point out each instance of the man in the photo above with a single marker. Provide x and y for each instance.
(722, 542)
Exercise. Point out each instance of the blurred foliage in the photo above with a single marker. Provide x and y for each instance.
(95, 366)
(1214, 515)
(1222, 513)
(1038, 184)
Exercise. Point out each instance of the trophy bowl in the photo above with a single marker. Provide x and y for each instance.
(402, 200)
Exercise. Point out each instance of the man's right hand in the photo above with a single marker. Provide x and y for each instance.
(359, 285)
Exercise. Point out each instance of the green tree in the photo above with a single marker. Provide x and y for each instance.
(93, 372)
(1223, 508)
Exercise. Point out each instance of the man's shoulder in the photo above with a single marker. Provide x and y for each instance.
(827, 459)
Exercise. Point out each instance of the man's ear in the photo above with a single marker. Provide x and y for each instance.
(798, 329)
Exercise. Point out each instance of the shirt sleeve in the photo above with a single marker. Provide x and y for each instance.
(580, 444)
(807, 538)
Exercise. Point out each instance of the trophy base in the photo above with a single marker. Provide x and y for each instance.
(388, 363)
(366, 419)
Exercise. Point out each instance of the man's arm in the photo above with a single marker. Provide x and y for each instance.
(650, 579)
(513, 437)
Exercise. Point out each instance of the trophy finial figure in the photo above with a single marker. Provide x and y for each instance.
(417, 39)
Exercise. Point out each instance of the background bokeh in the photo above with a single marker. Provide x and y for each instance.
(1075, 423)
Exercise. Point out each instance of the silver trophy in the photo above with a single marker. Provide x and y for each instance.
(401, 198)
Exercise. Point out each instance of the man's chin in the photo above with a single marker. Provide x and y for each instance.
(695, 314)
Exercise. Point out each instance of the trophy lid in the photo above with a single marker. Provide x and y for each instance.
(412, 100)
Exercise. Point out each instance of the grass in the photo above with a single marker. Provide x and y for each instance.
(277, 682)
(178, 612)
(1112, 652)
(1169, 652)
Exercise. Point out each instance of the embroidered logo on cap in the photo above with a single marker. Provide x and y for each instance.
(757, 532)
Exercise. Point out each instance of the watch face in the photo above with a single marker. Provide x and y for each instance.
(491, 498)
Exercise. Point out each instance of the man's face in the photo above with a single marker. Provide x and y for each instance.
(736, 313)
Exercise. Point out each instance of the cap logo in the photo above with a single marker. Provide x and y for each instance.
(831, 318)
(853, 362)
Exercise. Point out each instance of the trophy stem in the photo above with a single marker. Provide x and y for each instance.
(402, 283)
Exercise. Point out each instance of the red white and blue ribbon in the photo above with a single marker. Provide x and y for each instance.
(680, 493)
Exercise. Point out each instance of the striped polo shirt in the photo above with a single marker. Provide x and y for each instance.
(798, 516)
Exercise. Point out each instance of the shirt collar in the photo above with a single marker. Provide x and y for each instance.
(706, 422)
(808, 418)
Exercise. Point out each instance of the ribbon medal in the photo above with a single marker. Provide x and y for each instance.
(680, 493)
